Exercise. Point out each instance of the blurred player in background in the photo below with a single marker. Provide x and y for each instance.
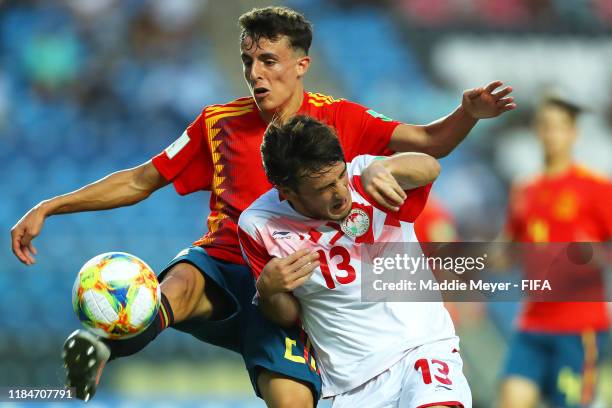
(207, 289)
(435, 223)
(558, 346)
(371, 354)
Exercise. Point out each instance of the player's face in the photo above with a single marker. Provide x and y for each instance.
(273, 71)
(325, 196)
(556, 130)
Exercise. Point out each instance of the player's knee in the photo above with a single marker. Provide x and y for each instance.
(446, 406)
(291, 401)
(183, 286)
(518, 392)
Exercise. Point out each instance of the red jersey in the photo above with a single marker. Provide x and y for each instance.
(220, 152)
(435, 224)
(570, 207)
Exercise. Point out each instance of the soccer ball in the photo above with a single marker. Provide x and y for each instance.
(116, 295)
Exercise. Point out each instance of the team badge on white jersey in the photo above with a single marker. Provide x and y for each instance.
(356, 223)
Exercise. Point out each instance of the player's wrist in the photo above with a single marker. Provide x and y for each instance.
(44, 208)
(464, 111)
(263, 290)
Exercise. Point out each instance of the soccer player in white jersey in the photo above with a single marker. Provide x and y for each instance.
(370, 354)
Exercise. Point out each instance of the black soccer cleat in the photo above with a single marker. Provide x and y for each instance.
(84, 358)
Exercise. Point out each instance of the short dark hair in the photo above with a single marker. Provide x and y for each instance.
(274, 22)
(301, 147)
(573, 110)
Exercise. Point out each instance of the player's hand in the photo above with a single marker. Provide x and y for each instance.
(22, 234)
(482, 103)
(380, 184)
(286, 274)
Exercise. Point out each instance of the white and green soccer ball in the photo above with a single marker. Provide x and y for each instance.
(116, 295)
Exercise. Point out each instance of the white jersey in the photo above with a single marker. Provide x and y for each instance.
(354, 340)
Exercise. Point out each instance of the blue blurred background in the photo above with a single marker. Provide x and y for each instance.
(90, 87)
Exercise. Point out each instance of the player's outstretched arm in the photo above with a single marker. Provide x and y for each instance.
(385, 180)
(439, 138)
(118, 189)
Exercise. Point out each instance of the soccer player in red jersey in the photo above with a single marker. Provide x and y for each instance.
(435, 223)
(207, 289)
(555, 352)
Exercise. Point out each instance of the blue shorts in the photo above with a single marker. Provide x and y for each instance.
(564, 366)
(261, 343)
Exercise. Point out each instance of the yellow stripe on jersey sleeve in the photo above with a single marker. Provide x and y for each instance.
(221, 109)
(319, 100)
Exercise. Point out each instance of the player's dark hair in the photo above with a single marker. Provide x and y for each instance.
(301, 147)
(573, 110)
(274, 22)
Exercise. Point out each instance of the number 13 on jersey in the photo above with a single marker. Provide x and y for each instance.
(343, 265)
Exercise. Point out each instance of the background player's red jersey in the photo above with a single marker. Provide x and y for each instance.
(569, 207)
(220, 152)
(435, 223)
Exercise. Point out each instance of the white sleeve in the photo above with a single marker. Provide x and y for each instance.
(359, 163)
